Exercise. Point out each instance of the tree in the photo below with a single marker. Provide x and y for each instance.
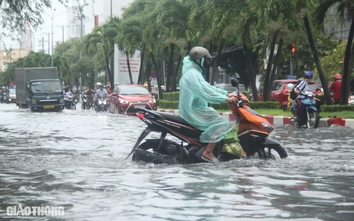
(102, 38)
(14, 14)
(345, 12)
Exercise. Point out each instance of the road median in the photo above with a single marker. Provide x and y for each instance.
(284, 120)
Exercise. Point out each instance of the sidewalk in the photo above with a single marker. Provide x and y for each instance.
(281, 120)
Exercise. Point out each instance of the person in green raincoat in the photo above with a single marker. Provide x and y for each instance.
(194, 96)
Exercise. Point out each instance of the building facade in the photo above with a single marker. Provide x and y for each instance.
(9, 56)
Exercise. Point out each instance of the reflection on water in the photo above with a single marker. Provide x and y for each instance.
(76, 159)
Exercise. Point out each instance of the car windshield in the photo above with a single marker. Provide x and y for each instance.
(131, 90)
(276, 86)
(46, 87)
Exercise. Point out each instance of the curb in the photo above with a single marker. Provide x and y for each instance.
(282, 120)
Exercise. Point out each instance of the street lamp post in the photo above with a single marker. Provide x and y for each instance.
(51, 17)
(52, 37)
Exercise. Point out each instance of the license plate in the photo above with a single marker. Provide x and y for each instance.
(48, 106)
(139, 106)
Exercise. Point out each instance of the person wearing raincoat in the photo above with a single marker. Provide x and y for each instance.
(194, 96)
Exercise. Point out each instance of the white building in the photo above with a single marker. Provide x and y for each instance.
(98, 12)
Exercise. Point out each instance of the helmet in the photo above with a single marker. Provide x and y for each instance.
(199, 52)
(338, 77)
(67, 86)
(308, 74)
(98, 83)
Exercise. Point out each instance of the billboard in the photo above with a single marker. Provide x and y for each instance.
(121, 72)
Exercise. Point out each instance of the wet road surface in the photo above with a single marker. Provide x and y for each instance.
(76, 160)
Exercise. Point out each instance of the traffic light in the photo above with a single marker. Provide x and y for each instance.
(292, 48)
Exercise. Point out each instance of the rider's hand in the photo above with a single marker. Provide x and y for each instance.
(232, 99)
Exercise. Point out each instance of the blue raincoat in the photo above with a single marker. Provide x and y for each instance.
(194, 96)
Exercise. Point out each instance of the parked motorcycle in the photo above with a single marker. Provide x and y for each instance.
(101, 104)
(308, 114)
(253, 131)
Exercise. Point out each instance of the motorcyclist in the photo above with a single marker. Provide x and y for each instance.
(89, 95)
(303, 86)
(195, 94)
(336, 88)
(100, 93)
(67, 93)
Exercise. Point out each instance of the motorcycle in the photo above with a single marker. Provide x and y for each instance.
(253, 133)
(71, 103)
(84, 102)
(308, 114)
(101, 104)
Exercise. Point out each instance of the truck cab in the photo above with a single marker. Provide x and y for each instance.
(45, 94)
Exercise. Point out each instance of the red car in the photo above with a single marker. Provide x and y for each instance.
(281, 90)
(127, 98)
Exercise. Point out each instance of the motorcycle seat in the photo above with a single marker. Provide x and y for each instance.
(175, 118)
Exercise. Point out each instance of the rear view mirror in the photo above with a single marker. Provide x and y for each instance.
(234, 82)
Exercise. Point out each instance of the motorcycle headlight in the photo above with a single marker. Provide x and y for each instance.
(100, 101)
(152, 101)
(33, 101)
(61, 100)
(267, 127)
(104, 101)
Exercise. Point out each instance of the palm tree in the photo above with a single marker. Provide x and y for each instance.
(102, 38)
(345, 12)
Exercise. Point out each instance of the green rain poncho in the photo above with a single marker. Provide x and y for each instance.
(194, 96)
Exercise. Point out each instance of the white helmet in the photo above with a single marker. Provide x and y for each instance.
(98, 84)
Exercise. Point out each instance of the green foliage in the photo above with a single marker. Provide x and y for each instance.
(332, 61)
(171, 96)
(337, 108)
(16, 13)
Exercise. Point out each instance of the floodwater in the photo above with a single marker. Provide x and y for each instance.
(76, 160)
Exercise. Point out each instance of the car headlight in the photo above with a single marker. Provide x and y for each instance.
(61, 100)
(267, 127)
(152, 101)
(33, 101)
(123, 101)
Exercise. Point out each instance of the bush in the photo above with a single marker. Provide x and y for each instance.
(337, 108)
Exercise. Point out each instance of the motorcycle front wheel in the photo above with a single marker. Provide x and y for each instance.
(313, 119)
(272, 152)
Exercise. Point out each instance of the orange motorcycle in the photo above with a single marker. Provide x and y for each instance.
(252, 129)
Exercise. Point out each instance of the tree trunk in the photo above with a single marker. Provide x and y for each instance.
(277, 58)
(148, 73)
(128, 65)
(266, 90)
(345, 79)
(174, 85)
(317, 60)
(253, 79)
(217, 62)
(110, 75)
(140, 77)
(157, 75)
(170, 68)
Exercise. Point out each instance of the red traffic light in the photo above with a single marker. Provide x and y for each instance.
(293, 49)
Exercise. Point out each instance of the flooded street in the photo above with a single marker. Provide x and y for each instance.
(76, 160)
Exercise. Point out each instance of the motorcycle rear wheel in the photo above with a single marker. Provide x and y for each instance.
(147, 152)
(313, 119)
